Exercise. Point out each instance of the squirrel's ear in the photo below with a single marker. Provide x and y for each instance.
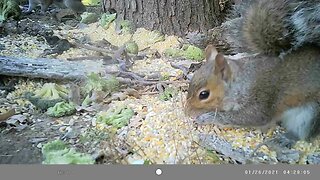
(211, 52)
(221, 67)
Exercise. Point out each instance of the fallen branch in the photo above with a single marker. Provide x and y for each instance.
(47, 68)
(148, 82)
(215, 143)
(93, 48)
(181, 67)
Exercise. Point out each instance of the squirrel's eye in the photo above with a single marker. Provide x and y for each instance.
(204, 95)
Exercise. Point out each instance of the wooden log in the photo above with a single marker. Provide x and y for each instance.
(284, 155)
(49, 68)
(213, 142)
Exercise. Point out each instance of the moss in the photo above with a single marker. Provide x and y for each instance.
(92, 135)
(194, 53)
(155, 36)
(158, 37)
(61, 109)
(173, 52)
(87, 101)
(132, 47)
(98, 83)
(106, 19)
(57, 152)
(165, 76)
(51, 91)
(40, 103)
(127, 27)
(9, 8)
(53, 146)
(118, 117)
(147, 162)
(187, 51)
(47, 96)
(168, 93)
(91, 2)
(212, 157)
(88, 18)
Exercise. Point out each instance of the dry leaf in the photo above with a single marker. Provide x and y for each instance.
(4, 116)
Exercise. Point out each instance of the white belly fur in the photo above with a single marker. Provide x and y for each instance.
(300, 120)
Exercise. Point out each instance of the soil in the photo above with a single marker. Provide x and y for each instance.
(17, 147)
(23, 145)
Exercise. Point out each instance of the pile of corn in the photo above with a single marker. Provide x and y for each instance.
(22, 45)
(161, 133)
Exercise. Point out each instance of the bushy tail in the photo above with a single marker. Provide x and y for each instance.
(266, 26)
(275, 26)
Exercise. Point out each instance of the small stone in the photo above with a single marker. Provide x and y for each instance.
(94, 122)
(62, 129)
(37, 140)
(16, 119)
(288, 156)
(71, 122)
(313, 158)
(72, 141)
(70, 133)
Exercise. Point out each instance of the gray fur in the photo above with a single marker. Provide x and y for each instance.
(306, 23)
(276, 26)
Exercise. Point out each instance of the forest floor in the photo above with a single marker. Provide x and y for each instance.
(159, 131)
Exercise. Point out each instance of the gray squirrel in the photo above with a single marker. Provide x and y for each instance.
(265, 90)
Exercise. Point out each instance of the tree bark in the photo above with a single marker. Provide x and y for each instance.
(171, 16)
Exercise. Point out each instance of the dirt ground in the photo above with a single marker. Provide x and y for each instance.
(19, 148)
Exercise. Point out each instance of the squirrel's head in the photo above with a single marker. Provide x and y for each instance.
(208, 84)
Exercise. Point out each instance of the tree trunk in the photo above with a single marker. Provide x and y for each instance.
(171, 16)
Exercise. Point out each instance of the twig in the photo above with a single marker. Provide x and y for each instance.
(182, 68)
(87, 58)
(131, 74)
(149, 93)
(146, 82)
(92, 48)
